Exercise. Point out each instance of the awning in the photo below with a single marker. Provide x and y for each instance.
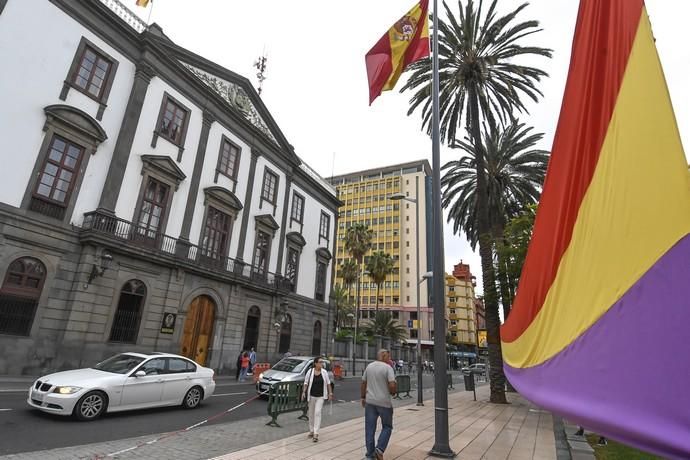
(425, 343)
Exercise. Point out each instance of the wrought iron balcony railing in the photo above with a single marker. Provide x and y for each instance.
(138, 236)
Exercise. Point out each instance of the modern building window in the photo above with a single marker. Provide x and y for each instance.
(324, 226)
(57, 178)
(251, 328)
(297, 210)
(292, 267)
(316, 340)
(261, 252)
(228, 159)
(285, 334)
(19, 295)
(129, 311)
(396, 315)
(152, 211)
(92, 72)
(269, 189)
(173, 120)
(407, 298)
(214, 244)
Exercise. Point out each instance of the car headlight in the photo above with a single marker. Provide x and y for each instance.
(261, 376)
(66, 390)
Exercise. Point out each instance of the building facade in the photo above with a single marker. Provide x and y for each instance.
(365, 199)
(461, 302)
(148, 201)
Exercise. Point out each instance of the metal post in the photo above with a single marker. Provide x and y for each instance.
(420, 396)
(441, 446)
(354, 337)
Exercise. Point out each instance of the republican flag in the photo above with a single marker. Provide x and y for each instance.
(404, 43)
(599, 328)
(143, 3)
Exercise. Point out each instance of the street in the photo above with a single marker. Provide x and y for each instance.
(25, 429)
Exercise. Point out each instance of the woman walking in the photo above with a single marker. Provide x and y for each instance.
(317, 389)
(245, 366)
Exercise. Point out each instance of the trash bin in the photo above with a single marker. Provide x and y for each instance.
(469, 382)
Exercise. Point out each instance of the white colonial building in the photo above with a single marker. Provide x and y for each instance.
(148, 200)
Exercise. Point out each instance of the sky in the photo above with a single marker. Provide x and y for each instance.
(316, 84)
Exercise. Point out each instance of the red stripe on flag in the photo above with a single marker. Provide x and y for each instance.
(603, 38)
(379, 66)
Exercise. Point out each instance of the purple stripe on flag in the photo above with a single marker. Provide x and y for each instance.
(628, 375)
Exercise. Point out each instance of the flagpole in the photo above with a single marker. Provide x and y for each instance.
(441, 446)
(148, 21)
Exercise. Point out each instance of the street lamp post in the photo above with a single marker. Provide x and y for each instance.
(415, 200)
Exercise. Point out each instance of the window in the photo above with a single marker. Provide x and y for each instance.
(396, 315)
(92, 72)
(413, 333)
(324, 226)
(452, 311)
(129, 311)
(297, 211)
(153, 366)
(316, 340)
(19, 295)
(269, 188)
(216, 230)
(451, 288)
(179, 366)
(285, 334)
(251, 329)
(228, 159)
(261, 252)
(321, 269)
(57, 178)
(152, 209)
(413, 315)
(292, 267)
(451, 299)
(172, 123)
(407, 244)
(407, 298)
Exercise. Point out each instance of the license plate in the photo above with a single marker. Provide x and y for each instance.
(37, 396)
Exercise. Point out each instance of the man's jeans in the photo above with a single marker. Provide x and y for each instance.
(371, 415)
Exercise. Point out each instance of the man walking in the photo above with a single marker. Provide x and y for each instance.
(378, 384)
(252, 361)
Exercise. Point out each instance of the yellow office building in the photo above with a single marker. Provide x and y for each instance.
(460, 302)
(365, 197)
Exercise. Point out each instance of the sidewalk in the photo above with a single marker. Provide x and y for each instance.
(478, 430)
(518, 431)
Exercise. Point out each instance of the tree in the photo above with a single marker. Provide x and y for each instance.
(512, 250)
(379, 266)
(515, 171)
(384, 324)
(349, 272)
(342, 305)
(480, 78)
(358, 242)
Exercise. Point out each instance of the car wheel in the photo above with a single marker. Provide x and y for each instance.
(193, 398)
(91, 406)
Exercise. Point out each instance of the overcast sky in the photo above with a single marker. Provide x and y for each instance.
(316, 86)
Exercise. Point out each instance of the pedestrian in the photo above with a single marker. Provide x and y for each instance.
(239, 365)
(317, 389)
(245, 366)
(378, 385)
(252, 360)
(287, 354)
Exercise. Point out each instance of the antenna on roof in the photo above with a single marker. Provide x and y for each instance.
(260, 65)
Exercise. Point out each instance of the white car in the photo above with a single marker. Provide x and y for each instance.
(124, 382)
(292, 369)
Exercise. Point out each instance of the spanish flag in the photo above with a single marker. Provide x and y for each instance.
(599, 328)
(404, 43)
(143, 3)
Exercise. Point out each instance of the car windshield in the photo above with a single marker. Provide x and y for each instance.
(290, 365)
(119, 364)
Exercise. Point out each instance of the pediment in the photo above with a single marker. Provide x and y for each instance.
(164, 165)
(77, 120)
(323, 253)
(296, 238)
(223, 196)
(268, 221)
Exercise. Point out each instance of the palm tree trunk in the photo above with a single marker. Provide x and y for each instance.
(496, 376)
(377, 299)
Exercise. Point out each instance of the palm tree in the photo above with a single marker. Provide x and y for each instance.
(379, 266)
(480, 79)
(358, 242)
(342, 304)
(384, 324)
(348, 272)
(515, 171)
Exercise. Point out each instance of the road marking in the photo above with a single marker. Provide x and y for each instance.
(231, 394)
(5, 410)
(23, 390)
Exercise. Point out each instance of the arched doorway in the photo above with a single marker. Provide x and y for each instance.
(19, 295)
(285, 335)
(129, 311)
(198, 329)
(251, 330)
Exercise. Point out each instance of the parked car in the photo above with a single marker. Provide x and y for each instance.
(292, 369)
(478, 368)
(123, 382)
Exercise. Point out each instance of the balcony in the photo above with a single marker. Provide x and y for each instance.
(141, 241)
